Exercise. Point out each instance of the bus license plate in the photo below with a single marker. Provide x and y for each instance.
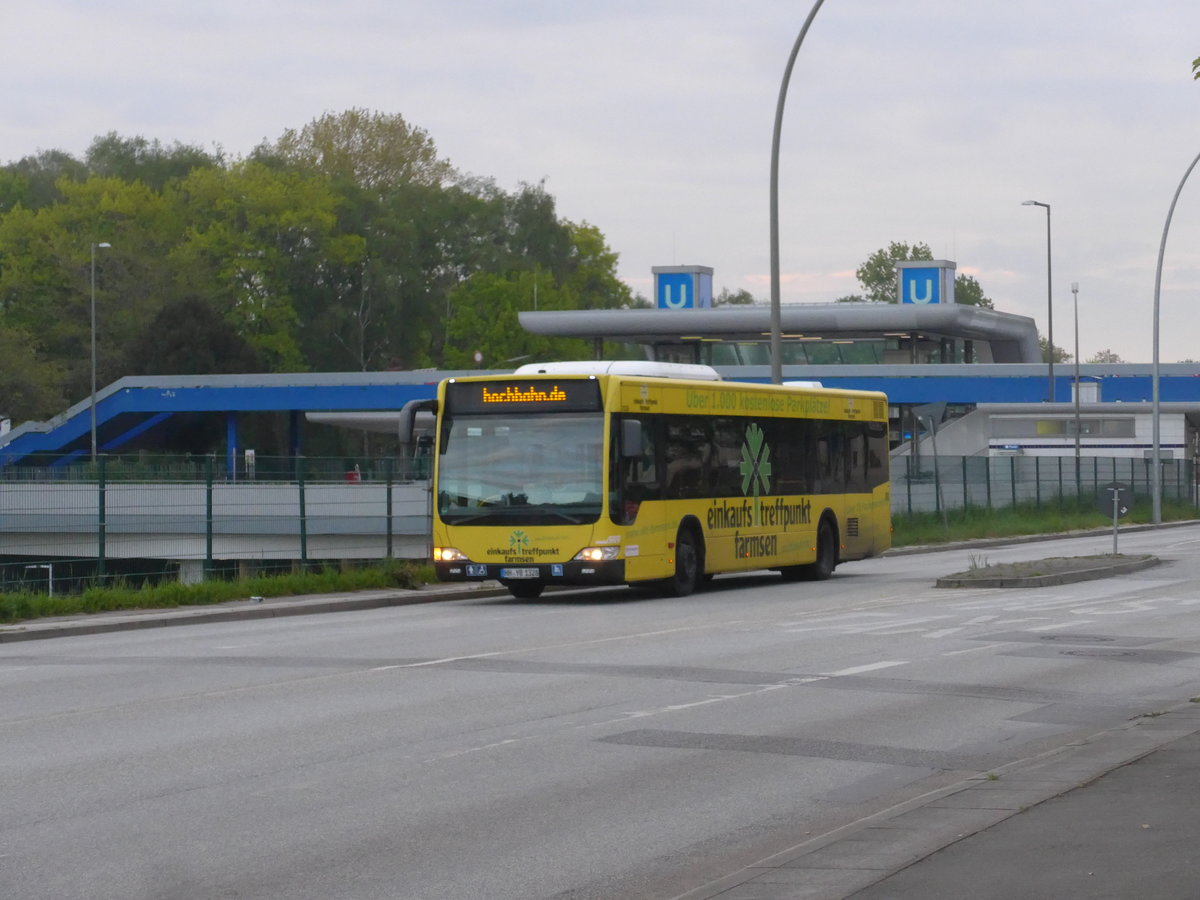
(520, 573)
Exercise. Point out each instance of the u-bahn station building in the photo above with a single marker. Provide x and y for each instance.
(973, 379)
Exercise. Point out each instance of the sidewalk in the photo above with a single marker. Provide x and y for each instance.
(1131, 833)
(1113, 816)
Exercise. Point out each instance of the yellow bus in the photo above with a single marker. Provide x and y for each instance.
(652, 474)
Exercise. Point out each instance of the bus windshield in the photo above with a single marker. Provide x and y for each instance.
(536, 469)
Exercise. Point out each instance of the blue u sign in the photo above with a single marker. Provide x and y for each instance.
(920, 286)
(675, 290)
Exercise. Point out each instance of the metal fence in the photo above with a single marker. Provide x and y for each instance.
(148, 518)
(929, 484)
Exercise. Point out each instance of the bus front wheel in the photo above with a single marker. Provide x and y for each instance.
(689, 566)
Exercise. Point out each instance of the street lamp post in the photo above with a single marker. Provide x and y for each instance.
(1078, 477)
(1156, 467)
(1049, 297)
(92, 400)
(776, 313)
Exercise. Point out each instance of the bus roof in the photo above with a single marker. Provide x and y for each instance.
(634, 367)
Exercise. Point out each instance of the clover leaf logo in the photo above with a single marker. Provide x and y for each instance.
(756, 465)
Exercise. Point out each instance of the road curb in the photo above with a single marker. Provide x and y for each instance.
(1083, 573)
(101, 623)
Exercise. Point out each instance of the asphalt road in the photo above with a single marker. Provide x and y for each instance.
(593, 744)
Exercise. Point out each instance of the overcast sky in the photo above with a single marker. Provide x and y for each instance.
(925, 120)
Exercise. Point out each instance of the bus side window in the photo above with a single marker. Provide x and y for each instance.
(688, 450)
(636, 471)
(728, 435)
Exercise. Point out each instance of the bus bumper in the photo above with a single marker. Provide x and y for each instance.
(574, 573)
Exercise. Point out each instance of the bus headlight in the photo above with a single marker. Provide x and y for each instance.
(448, 554)
(597, 554)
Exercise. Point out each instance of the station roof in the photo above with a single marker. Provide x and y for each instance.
(1013, 338)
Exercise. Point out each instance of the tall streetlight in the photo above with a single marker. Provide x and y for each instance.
(1049, 296)
(1078, 477)
(776, 314)
(1156, 468)
(104, 245)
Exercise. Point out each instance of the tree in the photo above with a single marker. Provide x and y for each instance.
(256, 239)
(33, 180)
(1196, 68)
(1105, 356)
(534, 235)
(484, 308)
(138, 159)
(740, 297)
(968, 292)
(45, 273)
(484, 320)
(373, 150)
(1060, 354)
(592, 282)
(877, 275)
(341, 246)
(189, 337)
(30, 384)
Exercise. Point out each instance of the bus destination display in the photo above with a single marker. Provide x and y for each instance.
(525, 396)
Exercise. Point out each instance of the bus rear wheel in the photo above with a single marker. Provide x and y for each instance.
(525, 590)
(826, 560)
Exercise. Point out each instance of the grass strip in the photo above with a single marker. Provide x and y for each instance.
(122, 595)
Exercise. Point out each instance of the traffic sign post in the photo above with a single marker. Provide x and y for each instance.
(1115, 499)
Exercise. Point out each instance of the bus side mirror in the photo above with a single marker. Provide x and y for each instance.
(408, 417)
(631, 438)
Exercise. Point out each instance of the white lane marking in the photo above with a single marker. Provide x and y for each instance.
(889, 632)
(633, 714)
(915, 627)
(542, 647)
(945, 632)
(870, 667)
(972, 649)
(718, 698)
(1074, 623)
(1124, 608)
